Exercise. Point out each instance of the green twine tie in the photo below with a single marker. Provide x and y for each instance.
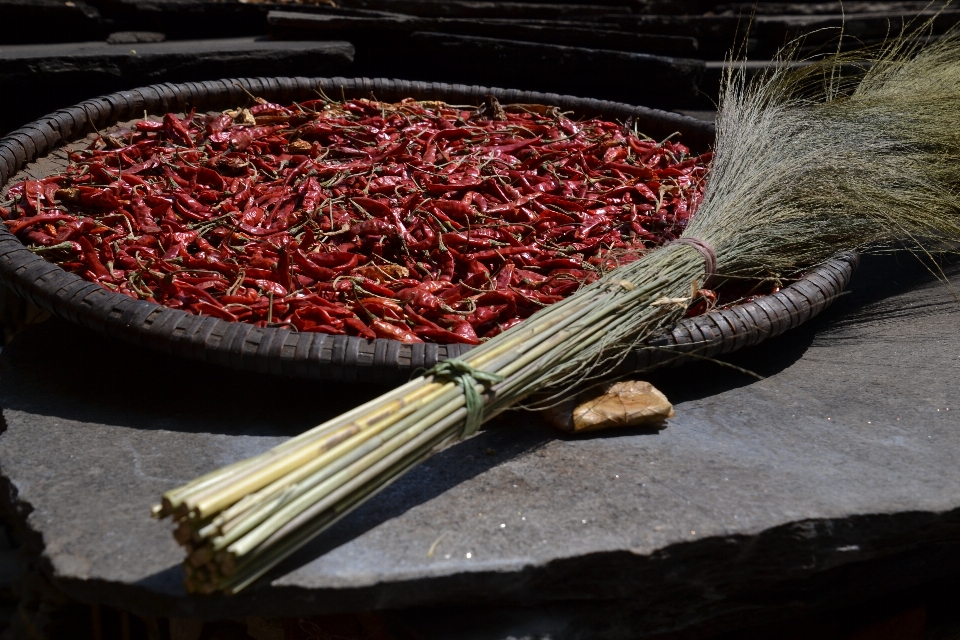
(467, 378)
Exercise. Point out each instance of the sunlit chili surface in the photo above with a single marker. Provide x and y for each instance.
(417, 221)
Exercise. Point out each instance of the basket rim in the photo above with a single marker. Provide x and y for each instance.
(323, 356)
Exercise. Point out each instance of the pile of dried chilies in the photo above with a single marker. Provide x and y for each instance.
(417, 221)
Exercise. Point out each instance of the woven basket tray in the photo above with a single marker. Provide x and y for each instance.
(328, 357)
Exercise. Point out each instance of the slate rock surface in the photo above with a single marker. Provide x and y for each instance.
(656, 81)
(59, 75)
(567, 32)
(833, 478)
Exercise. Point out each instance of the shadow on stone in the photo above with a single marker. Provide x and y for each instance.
(879, 277)
(69, 372)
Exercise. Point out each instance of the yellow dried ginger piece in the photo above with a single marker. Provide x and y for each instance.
(628, 403)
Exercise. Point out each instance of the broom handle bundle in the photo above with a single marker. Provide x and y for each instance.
(239, 522)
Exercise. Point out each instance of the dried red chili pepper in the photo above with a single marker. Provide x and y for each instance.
(411, 221)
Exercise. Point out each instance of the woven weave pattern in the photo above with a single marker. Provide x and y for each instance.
(328, 357)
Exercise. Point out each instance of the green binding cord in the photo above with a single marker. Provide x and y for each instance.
(467, 377)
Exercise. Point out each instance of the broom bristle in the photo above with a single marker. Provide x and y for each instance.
(855, 151)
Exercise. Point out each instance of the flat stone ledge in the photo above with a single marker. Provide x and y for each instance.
(59, 75)
(239, 46)
(842, 458)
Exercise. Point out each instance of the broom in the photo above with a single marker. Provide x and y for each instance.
(807, 163)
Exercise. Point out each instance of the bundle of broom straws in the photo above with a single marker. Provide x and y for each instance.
(854, 151)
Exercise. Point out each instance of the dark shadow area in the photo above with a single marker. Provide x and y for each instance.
(58, 76)
(703, 588)
(821, 607)
(60, 369)
(878, 278)
(801, 569)
(499, 61)
(793, 594)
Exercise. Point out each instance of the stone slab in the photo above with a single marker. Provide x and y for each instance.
(667, 82)
(567, 32)
(491, 9)
(79, 52)
(718, 34)
(50, 21)
(835, 475)
(59, 75)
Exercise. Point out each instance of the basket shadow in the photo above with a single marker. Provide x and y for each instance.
(59, 369)
(879, 277)
(62, 370)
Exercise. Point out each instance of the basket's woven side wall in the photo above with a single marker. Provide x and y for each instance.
(726, 330)
(281, 351)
